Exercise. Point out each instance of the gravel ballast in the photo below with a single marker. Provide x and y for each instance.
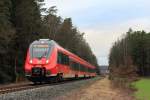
(47, 92)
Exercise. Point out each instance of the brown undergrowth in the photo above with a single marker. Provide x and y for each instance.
(100, 90)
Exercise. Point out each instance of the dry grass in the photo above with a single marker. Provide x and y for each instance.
(100, 90)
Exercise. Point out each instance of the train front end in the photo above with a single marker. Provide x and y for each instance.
(40, 60)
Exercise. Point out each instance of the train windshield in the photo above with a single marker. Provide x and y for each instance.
(40, 51)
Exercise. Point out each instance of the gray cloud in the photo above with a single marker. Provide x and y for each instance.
(101, 38)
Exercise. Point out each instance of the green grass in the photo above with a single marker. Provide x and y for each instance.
(143, 89)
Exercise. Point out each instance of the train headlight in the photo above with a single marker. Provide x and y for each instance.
(47, 61)
(31, 61)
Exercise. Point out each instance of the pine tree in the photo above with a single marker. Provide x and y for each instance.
(27, 21)
(52, 23)
(6, 34)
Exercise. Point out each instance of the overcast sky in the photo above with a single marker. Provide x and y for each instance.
(104, 21)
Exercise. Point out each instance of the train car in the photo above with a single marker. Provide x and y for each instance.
(47, 60)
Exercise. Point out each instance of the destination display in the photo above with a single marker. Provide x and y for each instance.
(40, 46)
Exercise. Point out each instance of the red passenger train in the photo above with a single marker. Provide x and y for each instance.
(46, 60)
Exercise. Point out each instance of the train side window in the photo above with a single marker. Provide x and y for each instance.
(82, 68)
(59, 58)
(62, 59)
(74, 65)
(66, 60)
(71, 63)
(88, 69)
(78, 66)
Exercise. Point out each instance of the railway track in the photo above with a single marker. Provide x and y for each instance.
(17, 88)
(10, 89)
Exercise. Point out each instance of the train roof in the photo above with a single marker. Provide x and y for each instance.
(55, 44)
(73, 55)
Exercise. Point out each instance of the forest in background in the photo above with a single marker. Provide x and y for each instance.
(130, 56)
(22, 22)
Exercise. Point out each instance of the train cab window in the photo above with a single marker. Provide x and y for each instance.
(62, 59)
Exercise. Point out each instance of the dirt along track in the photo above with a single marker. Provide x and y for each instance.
(100, 90)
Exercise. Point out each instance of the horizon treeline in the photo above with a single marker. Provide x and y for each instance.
(22, 22)
(130, 56)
